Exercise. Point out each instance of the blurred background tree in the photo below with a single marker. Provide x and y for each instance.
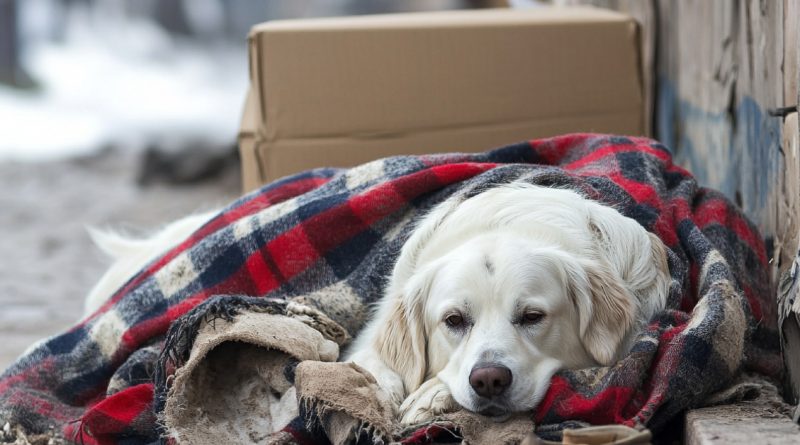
(133, 74)
(11, 71)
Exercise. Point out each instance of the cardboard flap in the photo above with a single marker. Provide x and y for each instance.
(250, 115)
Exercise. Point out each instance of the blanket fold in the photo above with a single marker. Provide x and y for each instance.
(286, 275)
(234, 386)
(345, 402)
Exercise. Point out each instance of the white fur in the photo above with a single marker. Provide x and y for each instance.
(597, 276)
(131, 255)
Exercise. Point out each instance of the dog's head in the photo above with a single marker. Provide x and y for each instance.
(494, 312)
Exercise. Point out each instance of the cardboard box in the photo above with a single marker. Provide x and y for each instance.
(343, 91)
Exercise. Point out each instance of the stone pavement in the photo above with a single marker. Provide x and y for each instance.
(763, 420)
(47, 261)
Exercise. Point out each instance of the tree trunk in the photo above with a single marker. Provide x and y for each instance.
(9, 58)
(11, 71)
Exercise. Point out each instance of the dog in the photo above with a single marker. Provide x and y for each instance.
(492, 295)
(489, 297)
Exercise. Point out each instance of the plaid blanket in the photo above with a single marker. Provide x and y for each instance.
(330, 236)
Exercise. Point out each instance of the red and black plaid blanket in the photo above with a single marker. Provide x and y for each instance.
(344, 227)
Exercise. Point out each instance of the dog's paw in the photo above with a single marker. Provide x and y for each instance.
(432, 399)
(392, 386)
(388, 380)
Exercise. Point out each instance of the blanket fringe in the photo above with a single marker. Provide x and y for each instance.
(16, 435)
(318, 416)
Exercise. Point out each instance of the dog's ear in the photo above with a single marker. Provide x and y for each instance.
(623, 244)
(605, 309)
(659, 289)
(401, 342)
(622, 280)
(613, 310)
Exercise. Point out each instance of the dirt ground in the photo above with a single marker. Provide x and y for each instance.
(47, 261)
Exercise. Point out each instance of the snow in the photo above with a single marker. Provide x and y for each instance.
(117, 80)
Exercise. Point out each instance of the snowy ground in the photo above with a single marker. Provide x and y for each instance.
(119, 81)
(47, 262)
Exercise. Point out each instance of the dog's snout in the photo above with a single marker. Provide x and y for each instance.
(490, 380)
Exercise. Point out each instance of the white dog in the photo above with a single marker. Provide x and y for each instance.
(488, 299)
(492, 295)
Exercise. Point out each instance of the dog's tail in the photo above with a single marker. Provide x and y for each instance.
(113, 243)
(130, 254)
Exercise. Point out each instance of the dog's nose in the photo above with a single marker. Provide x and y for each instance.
(490, 380)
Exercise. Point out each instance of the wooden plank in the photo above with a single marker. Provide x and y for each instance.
(740, 424)
(789, 212)
(701, 85)
(758, 135)
(791, 46)
(787, 243)
(788, 209)
(763, 417)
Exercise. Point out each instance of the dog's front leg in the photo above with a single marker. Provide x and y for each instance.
(388, 380)
(427, 402)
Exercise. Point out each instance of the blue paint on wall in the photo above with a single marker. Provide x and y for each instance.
(760, 135)
(736, 152)
(666, 112)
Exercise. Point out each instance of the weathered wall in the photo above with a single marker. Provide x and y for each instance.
(720, 68)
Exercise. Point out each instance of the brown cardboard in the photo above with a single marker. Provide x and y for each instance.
(342, 91)
(252, 171)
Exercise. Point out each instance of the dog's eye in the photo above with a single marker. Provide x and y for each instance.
(454, 320)
(531, 317)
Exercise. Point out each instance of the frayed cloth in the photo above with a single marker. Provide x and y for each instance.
(234, 388)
